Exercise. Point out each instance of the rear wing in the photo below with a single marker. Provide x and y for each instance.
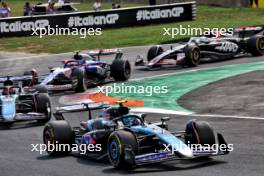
(103, 52)
(95, 54)
(79, 108)
(248, 31)
(17, 80)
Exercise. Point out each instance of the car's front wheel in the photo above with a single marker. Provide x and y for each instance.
(79, 75)
(153, 52)
(199, 132)
(120, 70)
(43, 105)
(122, 147)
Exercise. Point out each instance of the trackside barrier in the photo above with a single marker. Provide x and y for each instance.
(114, 18)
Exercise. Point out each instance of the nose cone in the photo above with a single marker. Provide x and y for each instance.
(186, 152)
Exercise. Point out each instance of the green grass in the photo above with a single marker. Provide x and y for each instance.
(207, 16)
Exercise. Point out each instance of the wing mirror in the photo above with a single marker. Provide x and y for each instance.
(164, 119)
(143, 116)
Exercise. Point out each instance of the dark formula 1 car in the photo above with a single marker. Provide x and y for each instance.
(86, 70)
(43, 9)
(128, 140)
(19, 103)
(244, 41)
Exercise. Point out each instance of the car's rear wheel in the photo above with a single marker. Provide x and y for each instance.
(255, 45)
(153, 52)
(120, 70)
(192, 55)
(118, 143)
(59, 133)
(43, 105)
(199, 132)
(80, 77)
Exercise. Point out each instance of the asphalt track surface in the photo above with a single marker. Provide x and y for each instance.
(16, 157)
(243, 94)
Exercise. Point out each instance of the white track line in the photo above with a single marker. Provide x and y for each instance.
(190, 114)
(227, 116)
(181, 113)
(159, 111)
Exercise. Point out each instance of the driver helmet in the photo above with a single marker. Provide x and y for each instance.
(113, 112)
(77, 56)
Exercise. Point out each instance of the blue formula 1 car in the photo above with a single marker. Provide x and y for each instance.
(128, 140)
(85, 70)
(18, 103)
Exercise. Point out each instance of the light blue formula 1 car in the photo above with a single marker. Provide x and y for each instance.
(18, 103)
(128, 140)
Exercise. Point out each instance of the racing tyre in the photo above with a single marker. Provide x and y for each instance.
(153, 52)
(120, 70)
(122, 146)
(43, 105)
(199, 132)
(255, 46)
(192, 54)
(41, 88)
(58, 132)
(28, 83)
(81, 84)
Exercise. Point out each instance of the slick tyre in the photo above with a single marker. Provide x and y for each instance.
(80, 77)
(58, 132)
(153, 52)
(43, 105)
(119, 142)
(192, 55)
(120, 70)
(199, 132)
(255, 46)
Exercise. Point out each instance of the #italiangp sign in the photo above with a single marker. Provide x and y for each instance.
(114, 18)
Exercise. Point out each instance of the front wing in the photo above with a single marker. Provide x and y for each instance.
(25, 117)
(164, 156)
(51, 87)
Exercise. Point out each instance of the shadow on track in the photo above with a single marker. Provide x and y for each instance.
(167, 167)
(157, 167)
(179, 67)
